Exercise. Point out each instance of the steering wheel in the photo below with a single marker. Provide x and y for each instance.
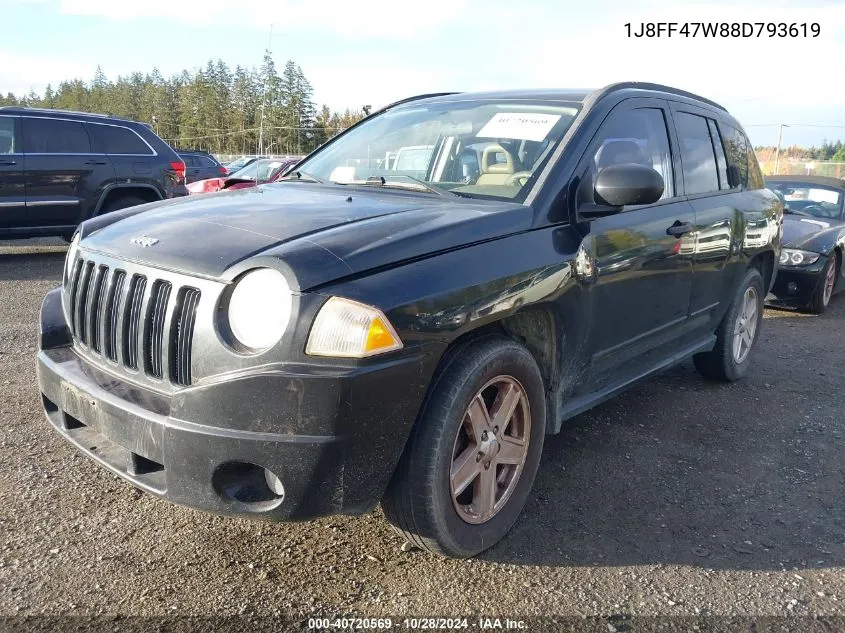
(518, 178)
(819, 211)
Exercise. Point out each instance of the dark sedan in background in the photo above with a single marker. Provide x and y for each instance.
(813, 241)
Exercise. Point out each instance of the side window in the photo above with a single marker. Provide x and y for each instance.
(736, 148)
(755, 174)
(637, 136)
(54, 136)
(207, 162)
(7, 135)
(111, 139)
(697, 157)
(720, 155)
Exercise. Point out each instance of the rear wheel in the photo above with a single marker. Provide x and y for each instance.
(735, 338)
(122, 203)
(470, 462)
(821, 297)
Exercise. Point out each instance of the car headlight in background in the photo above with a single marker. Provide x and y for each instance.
(259, 308)
(345, 328)
(794, 257)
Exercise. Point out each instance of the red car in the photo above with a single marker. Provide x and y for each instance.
(256, 173)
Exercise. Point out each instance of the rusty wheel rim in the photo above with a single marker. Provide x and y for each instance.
(490, 450)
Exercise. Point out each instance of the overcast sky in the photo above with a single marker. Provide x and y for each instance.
(358, 52)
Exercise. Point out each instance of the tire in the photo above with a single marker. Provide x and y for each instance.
(122, 202)
(419, 500)
(722, 363)
(821, 298)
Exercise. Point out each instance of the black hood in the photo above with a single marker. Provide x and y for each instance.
(800, 230)
(320, 232)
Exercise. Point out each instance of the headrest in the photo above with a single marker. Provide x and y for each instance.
(617, 152)
(489, 164)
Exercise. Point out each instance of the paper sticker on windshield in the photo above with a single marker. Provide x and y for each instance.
(519, 125)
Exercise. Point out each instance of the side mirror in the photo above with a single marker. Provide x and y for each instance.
(734, 179)
(628, 184)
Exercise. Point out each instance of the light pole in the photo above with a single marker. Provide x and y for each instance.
(264, 97)
(777, 149)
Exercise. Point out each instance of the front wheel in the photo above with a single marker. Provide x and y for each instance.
(472, 456)
(735, 338)
(821, 297)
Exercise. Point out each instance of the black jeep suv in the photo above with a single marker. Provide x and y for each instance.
(58, 168)
(360, 333)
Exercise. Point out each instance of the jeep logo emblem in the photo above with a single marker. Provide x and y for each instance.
(144, 241)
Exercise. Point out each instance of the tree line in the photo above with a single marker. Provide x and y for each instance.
(827, 151)
(214, 108)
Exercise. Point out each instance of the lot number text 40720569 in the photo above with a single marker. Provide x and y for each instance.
(723, 29)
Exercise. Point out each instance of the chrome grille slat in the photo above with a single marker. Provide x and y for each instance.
(133, 321)
(81, 311)
(95, 307)
(154, 330)
(111, 315)
(139, 321)
(183, 325)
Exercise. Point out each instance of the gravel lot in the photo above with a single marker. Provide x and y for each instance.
(679, 498)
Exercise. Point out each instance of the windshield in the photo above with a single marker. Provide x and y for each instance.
(809, 199)
(235, 165)
(471, 148)
(260, 170)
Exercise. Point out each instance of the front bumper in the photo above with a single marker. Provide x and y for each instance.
(209, 447)
(796, 286)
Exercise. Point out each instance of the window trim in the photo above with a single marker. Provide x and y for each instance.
(128, 129)
(84, 123)
(719, 149)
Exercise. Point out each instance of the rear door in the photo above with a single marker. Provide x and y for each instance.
(12, 182)
(63, 175)
(130, 155)
(644, 274)
(192, 168)
(719, 219)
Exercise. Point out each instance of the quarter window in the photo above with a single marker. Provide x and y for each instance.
(697, 156)
(54, 136)
(637, 136)
(736, 148)
(111, 139)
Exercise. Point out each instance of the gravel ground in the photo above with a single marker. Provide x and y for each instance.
(679, 498)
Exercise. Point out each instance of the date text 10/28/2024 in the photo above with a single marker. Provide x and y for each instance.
(723, 29)
(423, 623)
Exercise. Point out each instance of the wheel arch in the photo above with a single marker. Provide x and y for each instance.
(143, 191)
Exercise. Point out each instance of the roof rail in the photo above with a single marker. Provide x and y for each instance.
(643, 85)
(60, 111)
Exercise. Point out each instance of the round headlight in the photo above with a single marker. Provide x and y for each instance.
(260, 308)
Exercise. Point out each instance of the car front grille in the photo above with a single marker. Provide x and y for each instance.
(140, 322)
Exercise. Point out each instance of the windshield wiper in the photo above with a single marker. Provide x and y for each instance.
(302, 176)
(789, 211)
(381, 181)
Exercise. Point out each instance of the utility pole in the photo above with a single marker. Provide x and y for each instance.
(777, 149)
(264, 98)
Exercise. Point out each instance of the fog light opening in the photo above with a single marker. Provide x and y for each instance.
(792, 287)
(248, 485)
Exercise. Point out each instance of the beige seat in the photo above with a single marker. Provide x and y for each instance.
(493, 173)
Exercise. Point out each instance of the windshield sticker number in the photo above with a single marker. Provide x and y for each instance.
(519, 125)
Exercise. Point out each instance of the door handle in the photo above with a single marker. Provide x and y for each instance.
(96, 162)
(8, 162)
(680, 228)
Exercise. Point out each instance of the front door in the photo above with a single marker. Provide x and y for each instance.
(12, 183)
(62, 173)
(641, 295)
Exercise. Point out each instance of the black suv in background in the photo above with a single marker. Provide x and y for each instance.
(58, 168)
(200, 165)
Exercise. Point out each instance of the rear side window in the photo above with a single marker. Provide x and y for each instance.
(54, 136)
(112, 139)
(7, 135)
(190, 161)
(206, 161)
(736, 148)
(697, 156)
